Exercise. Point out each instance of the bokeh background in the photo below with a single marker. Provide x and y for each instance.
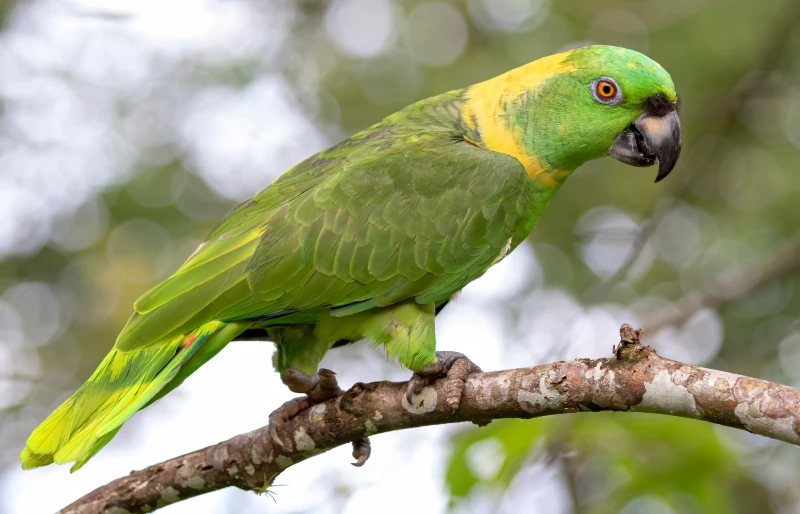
(129, 127)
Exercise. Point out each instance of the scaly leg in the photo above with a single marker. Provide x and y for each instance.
(454, 366)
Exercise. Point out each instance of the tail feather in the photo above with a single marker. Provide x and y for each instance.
(124, 383)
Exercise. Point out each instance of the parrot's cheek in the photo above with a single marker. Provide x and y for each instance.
(650, 139)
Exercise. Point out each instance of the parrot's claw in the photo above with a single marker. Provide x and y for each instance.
(281, 415)
(318, 389)
(361, 451)
(454, 366)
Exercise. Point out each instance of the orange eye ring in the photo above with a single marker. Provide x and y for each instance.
(605, 89)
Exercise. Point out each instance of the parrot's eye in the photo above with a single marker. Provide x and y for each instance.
(606, 91)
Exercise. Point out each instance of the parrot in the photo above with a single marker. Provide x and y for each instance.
(369, 239)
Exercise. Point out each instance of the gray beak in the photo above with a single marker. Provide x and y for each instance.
(649, 139)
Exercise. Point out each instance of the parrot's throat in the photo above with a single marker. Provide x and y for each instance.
(496, 113)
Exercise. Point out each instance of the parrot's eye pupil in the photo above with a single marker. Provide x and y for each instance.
(606, 91)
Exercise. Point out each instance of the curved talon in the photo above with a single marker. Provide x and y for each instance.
(361, 451)
(275, 432)
(281, 415)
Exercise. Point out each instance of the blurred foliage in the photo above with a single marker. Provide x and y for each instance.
(611, 460)
(126, 133)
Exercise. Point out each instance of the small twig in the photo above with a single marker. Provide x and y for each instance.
(637, 380)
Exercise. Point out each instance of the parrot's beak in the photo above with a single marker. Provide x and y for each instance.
(651, 137)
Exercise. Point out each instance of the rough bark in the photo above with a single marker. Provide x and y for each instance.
(636, 379)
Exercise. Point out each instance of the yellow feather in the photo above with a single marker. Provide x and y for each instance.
(484, 109)
(123, 384)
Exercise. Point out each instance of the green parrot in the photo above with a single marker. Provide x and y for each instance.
(368, 239)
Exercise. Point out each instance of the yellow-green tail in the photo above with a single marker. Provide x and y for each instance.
(124, 383)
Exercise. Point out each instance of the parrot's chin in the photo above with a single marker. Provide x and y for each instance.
(650, 139)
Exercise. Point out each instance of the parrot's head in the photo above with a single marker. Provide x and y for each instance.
(623, 104)
(566, 109)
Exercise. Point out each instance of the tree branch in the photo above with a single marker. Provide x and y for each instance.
(636, 379)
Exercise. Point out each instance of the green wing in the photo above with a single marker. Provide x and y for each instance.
(390, 214)
(420, 218)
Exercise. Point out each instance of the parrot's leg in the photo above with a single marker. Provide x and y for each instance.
(408, 332)
(454, 366)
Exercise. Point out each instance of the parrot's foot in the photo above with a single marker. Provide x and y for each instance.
(323, 386)
(454, 366)
(279, 417)
(318, 389)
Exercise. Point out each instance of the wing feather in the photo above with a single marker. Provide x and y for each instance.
(385, 216)
(397, 225)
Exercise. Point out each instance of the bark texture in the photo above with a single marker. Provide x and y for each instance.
(636, 379)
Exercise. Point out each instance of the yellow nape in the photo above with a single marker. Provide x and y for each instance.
(484, 111)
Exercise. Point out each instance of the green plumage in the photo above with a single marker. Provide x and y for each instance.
(361, 240)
